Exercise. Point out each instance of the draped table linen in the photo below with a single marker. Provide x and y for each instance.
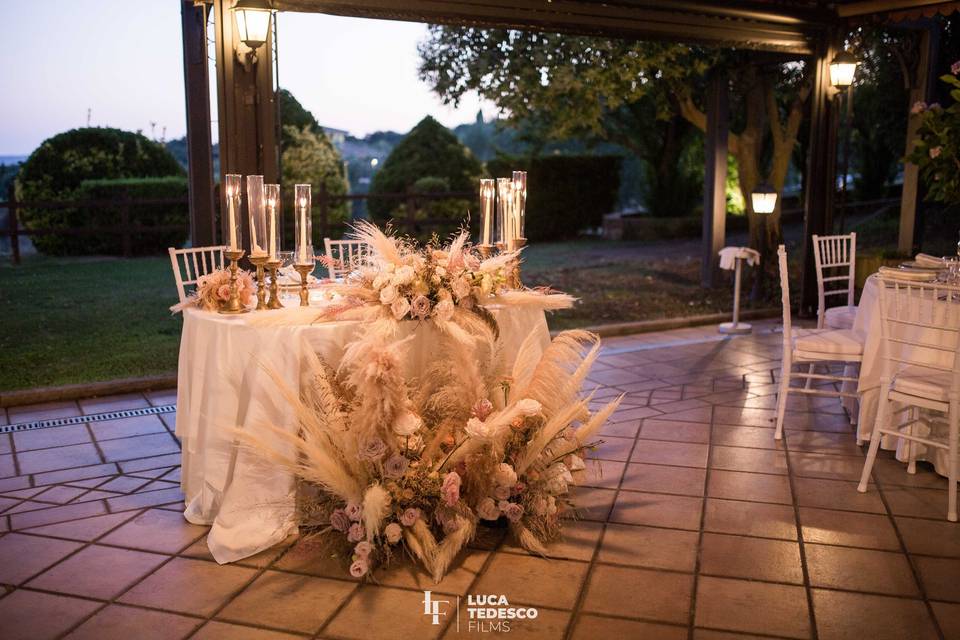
(224, 383)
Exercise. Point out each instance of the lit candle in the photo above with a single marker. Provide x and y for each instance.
(505, 209)
(487, 201)
(272, 228)
(304, 247)
(232, 187)
(231, 220)
(303, 230)
(519, 202)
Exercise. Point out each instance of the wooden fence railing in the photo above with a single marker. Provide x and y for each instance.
(323, 203)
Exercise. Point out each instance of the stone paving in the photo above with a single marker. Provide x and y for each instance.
(695, 524)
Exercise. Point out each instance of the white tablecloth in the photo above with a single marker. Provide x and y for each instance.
(868, 323)
(222, 384)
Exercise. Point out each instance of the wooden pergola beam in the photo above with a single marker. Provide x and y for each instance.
(868, 7)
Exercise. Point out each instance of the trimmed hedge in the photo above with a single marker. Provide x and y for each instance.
(57, 169)
(566, 194)
(109, 218)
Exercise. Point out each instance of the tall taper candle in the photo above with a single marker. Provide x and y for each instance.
(271, 194)
(488, 197)
(505, 209)
(304, 248)
(232, 188)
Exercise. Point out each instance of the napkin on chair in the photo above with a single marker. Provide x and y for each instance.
(729, 255)
(913, 275)
(926, 260)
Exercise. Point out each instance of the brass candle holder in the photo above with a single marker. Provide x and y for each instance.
(515, 245)
(259, 262)
(304, 270)
(233, 304)
(274, 301)
(486, 250)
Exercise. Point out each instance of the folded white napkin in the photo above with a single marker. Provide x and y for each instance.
(729, 255)
(926, 260)
(914, 275)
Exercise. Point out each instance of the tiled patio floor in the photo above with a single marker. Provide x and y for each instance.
(699, 526)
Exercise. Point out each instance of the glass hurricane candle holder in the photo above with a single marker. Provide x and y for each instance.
(519, 203)
(303, 247)
(271, 203)
(256, 217)
(504, 210)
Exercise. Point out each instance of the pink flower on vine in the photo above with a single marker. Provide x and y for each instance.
(918, 107)
(955, 68)
(935, 152)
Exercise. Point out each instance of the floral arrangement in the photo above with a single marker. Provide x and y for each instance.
(213, 289)
(413, 466)
(936, 149)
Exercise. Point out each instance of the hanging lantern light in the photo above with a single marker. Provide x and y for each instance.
(842, 69)
(764, 198)
(253, 21)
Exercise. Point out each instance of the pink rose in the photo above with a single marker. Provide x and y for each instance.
(400, 307)
(420, 307)
(339, 520)
(363, 549)
(482, 409)
(502, 492)
(354, 511)
(514, 512)
(935, 152)
(393, 532)
(395, 466)
(918, 107)
(409, 517)
(488, 510)
(955, 67)
(450, 491)
(356, 532)
(223, 292)
(359, 568)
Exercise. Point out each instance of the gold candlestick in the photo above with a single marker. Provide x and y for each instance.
(258, 262)
(515, 245)
(274, 301)
(233, 304)
(486, 250)
(304, 270)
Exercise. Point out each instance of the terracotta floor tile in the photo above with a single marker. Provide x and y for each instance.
(616, 590)
(613, 449)
(753, 437)
(60, 494)
(824, 442)
(138, 447)
(189, 586)
(755, 487)
(682, 454)
(161, 397)
(620, 429)
(372, 613)
(745, 459)
(7, 466)
(22, 556)
(750, 518)
(155, 530)
(559, 581)
(73, 475)
(916, 502)
(223, 631)
(864, 530)
(548, 625)
(41, 460)
(578, 541)
(113, 403)
(649, 547)
(312, 557)
(948, 615)
(602, 473)
(678, 431)
(819, 465)
(888, 471)
(664, 479)
(843, 615)
(146, 499)
(750, 558)
(116, 621)
(679, 512)
(836, 494)
(83, 529)
(56, 514)
(939, 577)
(930, 537)
(30, 615)
(752, 607)
(406, 572)
(51, 437)
(43, 411)
(126, 427)
(860, 570)
(98, 572)
(287, 601)
(742, 416)
(702, 414)
(591, 627)
(593, 504)
(200, 549)
(140, 466)
(713, 634)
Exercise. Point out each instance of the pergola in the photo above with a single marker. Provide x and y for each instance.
(792, 29)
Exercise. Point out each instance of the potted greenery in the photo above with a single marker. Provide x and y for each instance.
(936, 148)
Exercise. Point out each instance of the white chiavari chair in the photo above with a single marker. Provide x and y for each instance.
(343, 256)
(189, 264)
(920, 342)
(835, 258)
(809, 347)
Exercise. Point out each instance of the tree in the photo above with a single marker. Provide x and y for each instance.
(311, 158)
(428, 150)
(293, 114)
(638, 94)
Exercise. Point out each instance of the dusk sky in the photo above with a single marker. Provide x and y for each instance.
(122, 60)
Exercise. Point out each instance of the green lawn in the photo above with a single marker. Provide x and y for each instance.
(72, 320)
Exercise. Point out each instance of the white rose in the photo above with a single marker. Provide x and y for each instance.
(444, 309)
(477, 428)
(435, 279)
(393, 531)
(488, 509)
(381, 280)
(576, 463)
(407, 424)
(504, 475)
(440, 271)
(388, 294)
(400, 307)
(404, 275)
(529, 407)
(461, 288)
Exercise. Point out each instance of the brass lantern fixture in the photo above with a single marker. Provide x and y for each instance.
(764, 198)
(842, 68)
(253, 24)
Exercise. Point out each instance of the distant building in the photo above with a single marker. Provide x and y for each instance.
(337, 136)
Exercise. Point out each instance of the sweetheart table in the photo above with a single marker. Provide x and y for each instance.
(223, 385)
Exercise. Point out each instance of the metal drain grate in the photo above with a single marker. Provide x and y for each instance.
(94, 417)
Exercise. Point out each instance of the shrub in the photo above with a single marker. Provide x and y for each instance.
(566, 194)
(429, 150)
(311, 158)
(60, 165)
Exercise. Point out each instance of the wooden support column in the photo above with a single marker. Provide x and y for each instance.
(715, 177)
(247, 106)
(821, 168)
(921, 85)
(203, 224)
